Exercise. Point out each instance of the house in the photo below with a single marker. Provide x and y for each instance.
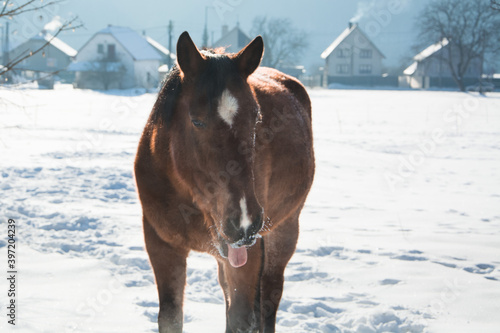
(116, 58)
(352, 58)
(429, 69)
(166, 56)
(233, 41)
(53, 58)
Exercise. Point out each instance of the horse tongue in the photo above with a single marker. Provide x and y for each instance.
(237, 257)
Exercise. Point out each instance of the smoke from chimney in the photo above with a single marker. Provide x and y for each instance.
(364, 7)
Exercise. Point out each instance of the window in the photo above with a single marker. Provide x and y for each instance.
(100, 48)
(342, 69)
(365, 54)
(111, 52)
(343, 53)
(365, 69)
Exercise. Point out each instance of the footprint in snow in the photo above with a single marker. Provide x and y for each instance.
(148, 304)
(407, 257)
(386, 282)
(480, 269)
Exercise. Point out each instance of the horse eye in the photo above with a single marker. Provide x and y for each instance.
(198, 123)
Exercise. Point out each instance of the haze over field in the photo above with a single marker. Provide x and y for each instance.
(390, 23)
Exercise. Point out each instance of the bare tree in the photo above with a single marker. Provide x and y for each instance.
(495, 4)
(11, 9)
(471, 27)
(284, 44)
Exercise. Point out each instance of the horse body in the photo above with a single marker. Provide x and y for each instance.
(224, 166)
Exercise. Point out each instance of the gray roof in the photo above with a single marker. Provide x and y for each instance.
(135, 44)
(164, 52)
(235, 34)
(44, 37)
(346, 33)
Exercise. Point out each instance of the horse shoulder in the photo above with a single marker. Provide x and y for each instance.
(275, 82)
(172, 216)
(284, 142)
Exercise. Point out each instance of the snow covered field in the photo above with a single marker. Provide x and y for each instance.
(400, 233)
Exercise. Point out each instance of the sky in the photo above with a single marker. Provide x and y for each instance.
(389, 23)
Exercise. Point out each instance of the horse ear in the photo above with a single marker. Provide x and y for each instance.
(249, 58)
(189, 58)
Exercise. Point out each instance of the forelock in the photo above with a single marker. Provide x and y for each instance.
(217, 72)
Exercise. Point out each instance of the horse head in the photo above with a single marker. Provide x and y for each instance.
(212, 136)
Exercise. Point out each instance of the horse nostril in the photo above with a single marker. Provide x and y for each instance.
(250, 240)
(256, 225)
(247, 240)
(243, 236)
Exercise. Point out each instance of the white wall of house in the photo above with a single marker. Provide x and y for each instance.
(136, 71)
(433, 66)
(355, 56)
(146, 73)
(90, 52)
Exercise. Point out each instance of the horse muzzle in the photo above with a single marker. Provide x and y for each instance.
(233, 245)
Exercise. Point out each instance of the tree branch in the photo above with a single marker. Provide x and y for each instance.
(65, 26)
(471, 28)
(24, 7)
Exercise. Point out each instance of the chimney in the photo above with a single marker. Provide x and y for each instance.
(225, 29)
(351, 24)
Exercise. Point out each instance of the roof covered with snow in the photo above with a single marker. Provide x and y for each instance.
(56, 42)
(337, 42)
(163, 69)
(135, 44)
(346, 33)
(160, 48)
(429, 51)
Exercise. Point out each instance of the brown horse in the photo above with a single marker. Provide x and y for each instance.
(224, 166)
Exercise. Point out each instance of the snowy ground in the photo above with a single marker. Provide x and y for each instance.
(401, 231)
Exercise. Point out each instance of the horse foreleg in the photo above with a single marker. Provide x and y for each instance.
(224, 286)
(279, 246)
(242, 291)
(169, 266)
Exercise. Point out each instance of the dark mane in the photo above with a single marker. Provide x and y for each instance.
(167, 97)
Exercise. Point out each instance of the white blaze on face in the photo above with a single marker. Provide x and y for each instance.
(245, 222)
(228, 107)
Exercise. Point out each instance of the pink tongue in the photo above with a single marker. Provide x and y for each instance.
(237, 257)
